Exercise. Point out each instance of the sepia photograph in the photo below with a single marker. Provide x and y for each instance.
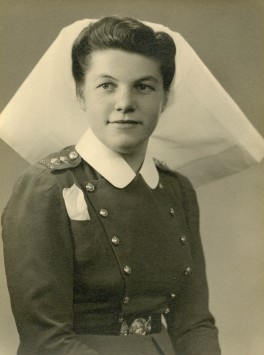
(132, 189)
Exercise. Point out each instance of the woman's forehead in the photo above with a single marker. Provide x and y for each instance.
(120, 64)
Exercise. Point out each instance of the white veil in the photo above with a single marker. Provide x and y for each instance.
(202, 132)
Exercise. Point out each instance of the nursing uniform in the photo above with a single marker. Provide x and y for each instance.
(96, 255)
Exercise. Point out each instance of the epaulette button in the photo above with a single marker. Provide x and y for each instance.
(64, 159)
(73, 155)
(55, 161)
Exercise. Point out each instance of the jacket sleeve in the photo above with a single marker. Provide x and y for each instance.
(39, 266)
(190, 324)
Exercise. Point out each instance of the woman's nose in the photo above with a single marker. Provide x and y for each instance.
(125, 101)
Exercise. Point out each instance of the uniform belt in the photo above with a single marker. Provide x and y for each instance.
(143, 324)
(140, 326)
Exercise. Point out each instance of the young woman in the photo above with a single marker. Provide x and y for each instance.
(100, 242)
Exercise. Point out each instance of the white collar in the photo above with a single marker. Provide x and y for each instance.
(111, 165)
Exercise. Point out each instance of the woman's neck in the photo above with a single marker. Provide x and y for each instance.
(136, 159)
(134, 162)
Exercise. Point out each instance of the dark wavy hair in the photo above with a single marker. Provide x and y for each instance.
(126, 34)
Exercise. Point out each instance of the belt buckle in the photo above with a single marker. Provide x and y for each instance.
(139, 326)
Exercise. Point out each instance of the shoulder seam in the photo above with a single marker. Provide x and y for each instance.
(162, 166)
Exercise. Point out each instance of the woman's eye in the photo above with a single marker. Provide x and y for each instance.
(107, 86)
(144, 88)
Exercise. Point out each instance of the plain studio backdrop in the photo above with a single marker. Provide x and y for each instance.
(228, 36)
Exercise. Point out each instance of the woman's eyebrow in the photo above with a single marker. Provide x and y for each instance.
(143, 78)
(106, 76)
(148, 78)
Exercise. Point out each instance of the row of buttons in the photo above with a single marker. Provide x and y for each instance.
(127, 269)
(167, 310)
(116, 241)
(103, 212)
(90, 187)
(188, 270)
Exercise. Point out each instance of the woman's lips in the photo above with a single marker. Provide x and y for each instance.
(125, 123)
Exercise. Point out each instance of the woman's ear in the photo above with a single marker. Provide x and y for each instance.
(80, 98)
(165, 100)
(81, 102)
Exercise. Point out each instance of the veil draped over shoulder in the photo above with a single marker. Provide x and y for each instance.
(202, 133)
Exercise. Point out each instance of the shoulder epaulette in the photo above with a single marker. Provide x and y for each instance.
(65, 159)
(164, 167)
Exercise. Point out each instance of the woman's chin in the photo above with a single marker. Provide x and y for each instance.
(128, 147)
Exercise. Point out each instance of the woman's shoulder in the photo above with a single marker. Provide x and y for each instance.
(45, 169)
(183, 181)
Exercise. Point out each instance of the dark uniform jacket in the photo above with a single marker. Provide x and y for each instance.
(74, 282)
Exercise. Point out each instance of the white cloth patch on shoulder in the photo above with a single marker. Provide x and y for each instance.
(75, 203)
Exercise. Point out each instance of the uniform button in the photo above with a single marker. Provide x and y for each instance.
(172, 211)
(64, 159)
(188, 271)
(127, 270)
(89, 187)
(126, 300)
(103, 212)
(160, 185)
(173, 295)
(183, 240)
(167, 310)
(55, 161)
(115, 240)
(73, 155)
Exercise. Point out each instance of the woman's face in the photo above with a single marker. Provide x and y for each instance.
(123, 97)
